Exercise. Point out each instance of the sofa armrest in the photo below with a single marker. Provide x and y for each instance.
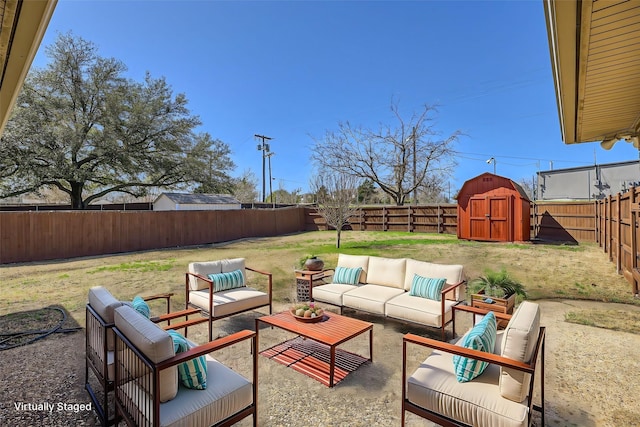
(451, 288)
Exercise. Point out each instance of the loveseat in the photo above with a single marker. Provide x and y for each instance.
(468, 384)
(401, 288)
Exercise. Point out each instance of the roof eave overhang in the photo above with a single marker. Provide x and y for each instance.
(562, 22)
(25, 30)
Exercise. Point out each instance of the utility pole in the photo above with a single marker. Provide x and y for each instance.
(265, 149)
(273, 201)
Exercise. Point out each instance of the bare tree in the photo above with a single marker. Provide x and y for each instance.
(337, 198)
(245, 188)
(399, 159)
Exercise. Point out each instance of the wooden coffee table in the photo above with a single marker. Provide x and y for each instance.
(319, 359)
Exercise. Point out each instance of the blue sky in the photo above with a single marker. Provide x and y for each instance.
(293, 69)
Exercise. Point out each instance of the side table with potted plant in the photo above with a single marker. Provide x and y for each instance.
(496, 291)
(312, 273)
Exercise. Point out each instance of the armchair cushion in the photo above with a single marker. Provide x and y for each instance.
(104, 304)
(151, 340)
(346, 275)
(225, 281)
(427, 287)
(520, 337)
(481, 337)
(192, 373)
(204, 269)
(433, 386)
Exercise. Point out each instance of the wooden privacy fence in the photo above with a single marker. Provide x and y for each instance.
(37, 236)
(420, 219)
(618, 233)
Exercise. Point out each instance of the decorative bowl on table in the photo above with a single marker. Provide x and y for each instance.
(307, 312)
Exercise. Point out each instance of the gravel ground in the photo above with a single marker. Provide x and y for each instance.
(589, 381)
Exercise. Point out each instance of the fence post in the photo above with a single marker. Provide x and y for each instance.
(438, 218)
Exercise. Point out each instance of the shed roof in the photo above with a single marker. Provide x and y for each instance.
(201, 199)
(517, 187)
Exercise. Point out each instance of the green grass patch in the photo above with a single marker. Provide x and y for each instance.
(616, 320)
(142, 266)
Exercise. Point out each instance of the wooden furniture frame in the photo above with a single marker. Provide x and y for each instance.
(210, 310)
(529, 368)
(136, 361)
(97, 358)
(334, 331)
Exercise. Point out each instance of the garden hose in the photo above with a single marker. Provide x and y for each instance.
(8, 340)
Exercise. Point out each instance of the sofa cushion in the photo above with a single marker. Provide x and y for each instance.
(346, 275)
(371, 298)
(104, 304)
(520, 337)
(141, 306)
(419, 310)
(482, 337)
(192, 373)
(204, 269)
(454, 273)
(434, 386)
(226, 281)
(427, 287)
(331, 293)
(153, 342)
(230, 301)
(386, 271)
(355, 261)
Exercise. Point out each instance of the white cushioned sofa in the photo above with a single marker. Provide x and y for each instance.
(501, 396)
(385, 287)
(148, 390)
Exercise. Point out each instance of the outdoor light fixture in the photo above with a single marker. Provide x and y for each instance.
(608, 143)
(492, 160)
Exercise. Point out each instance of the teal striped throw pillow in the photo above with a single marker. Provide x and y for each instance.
(347, 276)
(427, 287)
(482, 337)
(226, 281)
(141, 306)
(192, 373)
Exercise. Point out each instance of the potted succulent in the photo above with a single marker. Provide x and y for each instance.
(496, 291)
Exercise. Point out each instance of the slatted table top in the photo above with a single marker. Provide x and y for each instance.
(333, 330)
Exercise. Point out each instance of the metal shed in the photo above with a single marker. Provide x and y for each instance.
(195, 202)
(493, 208)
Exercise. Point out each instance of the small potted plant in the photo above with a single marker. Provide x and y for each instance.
(312, 263)
(496, 291)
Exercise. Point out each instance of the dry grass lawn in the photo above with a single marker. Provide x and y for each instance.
(549, 272)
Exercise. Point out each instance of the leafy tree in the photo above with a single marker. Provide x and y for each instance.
(366, 191)
(81, 127)
(337, 199)
(398, 159)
